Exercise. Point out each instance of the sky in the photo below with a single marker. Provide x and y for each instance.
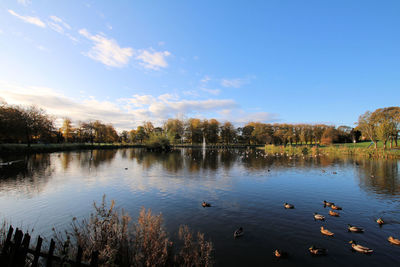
(126, 62)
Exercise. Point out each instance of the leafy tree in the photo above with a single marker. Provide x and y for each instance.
(67, 130)
(366, 124)
(228, 133)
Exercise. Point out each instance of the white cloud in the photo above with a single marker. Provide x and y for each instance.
(152, 59)
(126, 113)
(235, 83)
(28, 19)
(24, 2)
(60, 22)
(107, 51)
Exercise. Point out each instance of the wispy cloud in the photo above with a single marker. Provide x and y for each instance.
(58, 24)
(107, 51)
(151, 59)
(24, 2)
(242, 117)
(236, 82)
(28, 19)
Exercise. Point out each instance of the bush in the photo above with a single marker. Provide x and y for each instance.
(158, 142)
(121, 243)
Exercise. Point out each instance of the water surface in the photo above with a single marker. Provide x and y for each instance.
(245, 188)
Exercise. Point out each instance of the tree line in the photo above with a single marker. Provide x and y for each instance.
(20, 124)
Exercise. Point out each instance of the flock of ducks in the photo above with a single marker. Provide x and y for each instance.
(323, 251)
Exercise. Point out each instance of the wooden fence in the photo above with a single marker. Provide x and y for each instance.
(14, 252)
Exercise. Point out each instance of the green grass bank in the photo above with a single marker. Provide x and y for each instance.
(358, 149)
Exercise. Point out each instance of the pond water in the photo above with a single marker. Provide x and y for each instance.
(245, 188)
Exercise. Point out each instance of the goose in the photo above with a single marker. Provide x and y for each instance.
(380, 221)
(328, 203)
(334, 213)
(238, 232)
(334, 207)
(360, 248)
(288, 206)
(325, 231)
(317, 251)
(280, 254)
(205, 204)
(355, 229)
(319, 216)
(393, 240)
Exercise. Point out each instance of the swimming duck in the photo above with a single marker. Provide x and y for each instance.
(238, 232)
(393, 240)
(334, 207)
(355, 229)
(319, 216)
(317, 251)
(328, 203)
(288, 206)
(205, 204)
(334, 213)
(380, 221)
(326, 231)
(360, 248)
(334, 172)
(280, 254)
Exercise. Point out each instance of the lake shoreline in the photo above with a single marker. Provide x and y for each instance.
(43, 148)
(336, 150)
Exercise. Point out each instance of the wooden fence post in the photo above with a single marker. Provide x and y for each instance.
(21, 254)
(51, 251)
(95, 258)
(36, 254)
(79, 257)
(5, 253)
(15, 248)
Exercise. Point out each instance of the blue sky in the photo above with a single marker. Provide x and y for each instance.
(271, 61)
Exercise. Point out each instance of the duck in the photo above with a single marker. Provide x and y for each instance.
(317, 251)
(238, 232)
(393, 240)
(334, 213)
(334, 172)
(205, 204)
(328, 203)
(380, 221)
(334, 207)
(355, 229)
(280, 254)
(360, 248)
(288, 206)
(319, 216)
(326, 232)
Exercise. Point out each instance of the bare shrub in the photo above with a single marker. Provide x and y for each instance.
(193, 252)
(121, 243)
(151, 244)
